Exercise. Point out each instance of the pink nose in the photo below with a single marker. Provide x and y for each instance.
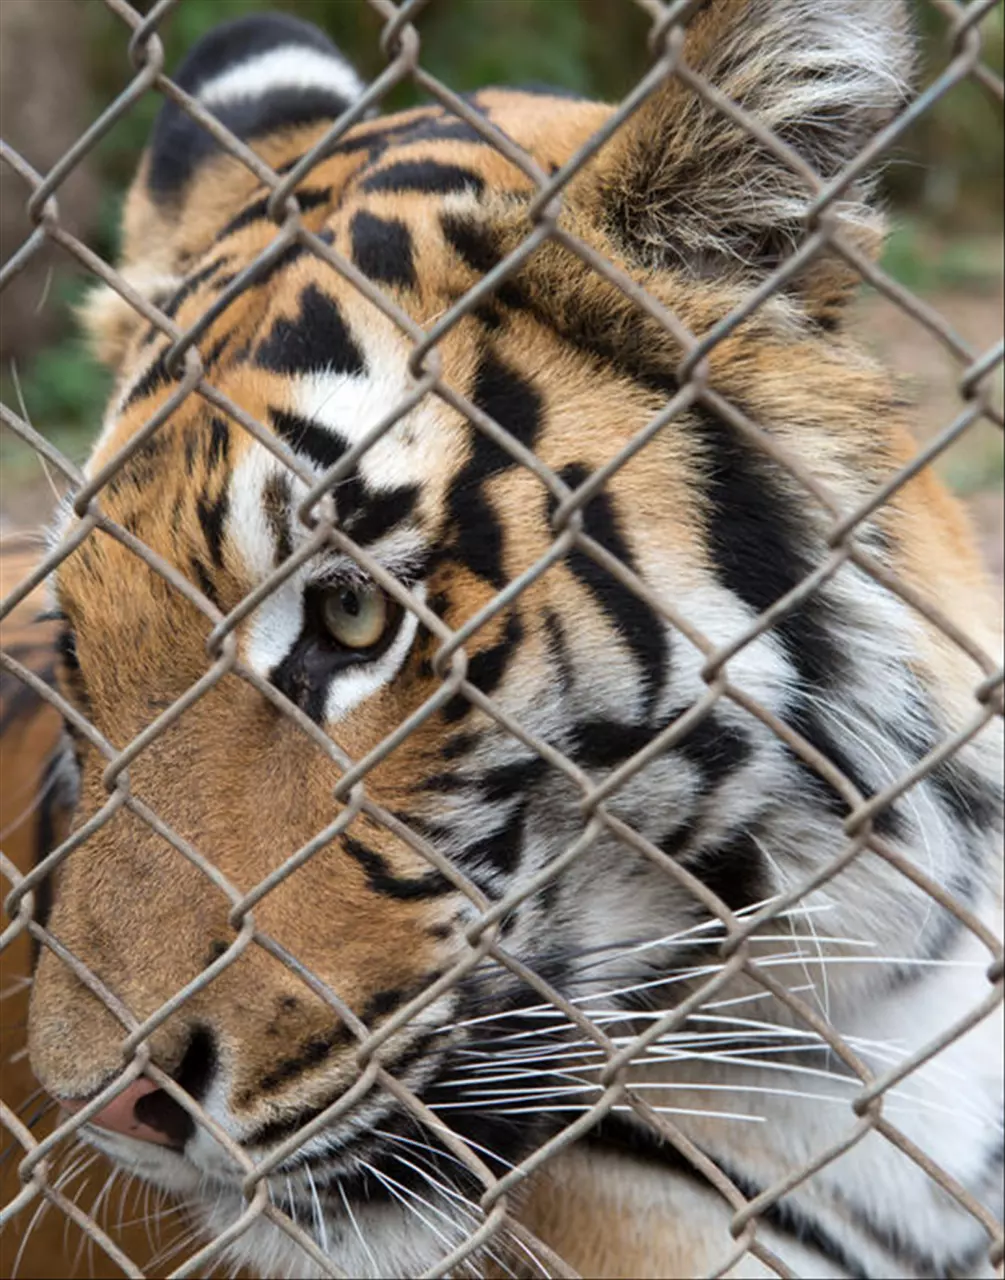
(121, 1116)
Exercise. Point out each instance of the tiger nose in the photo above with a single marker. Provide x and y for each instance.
(145, 1112)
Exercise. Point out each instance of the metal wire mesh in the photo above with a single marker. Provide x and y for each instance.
(400, 42)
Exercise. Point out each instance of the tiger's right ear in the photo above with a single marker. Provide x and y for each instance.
(682, 184)
(267, 78)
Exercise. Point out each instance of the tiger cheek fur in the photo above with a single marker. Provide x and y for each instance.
(700, 517)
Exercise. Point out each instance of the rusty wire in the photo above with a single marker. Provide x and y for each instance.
(400, 42)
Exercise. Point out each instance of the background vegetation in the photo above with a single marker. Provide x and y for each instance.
(945, 182)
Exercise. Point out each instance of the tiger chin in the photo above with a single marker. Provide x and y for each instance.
(709, 529)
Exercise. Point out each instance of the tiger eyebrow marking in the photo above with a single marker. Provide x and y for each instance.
(317, 341)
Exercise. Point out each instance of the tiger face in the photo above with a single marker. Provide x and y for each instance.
(395, 694)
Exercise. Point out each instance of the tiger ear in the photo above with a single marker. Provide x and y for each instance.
(682, 184)
(259, 76)
(266, 78)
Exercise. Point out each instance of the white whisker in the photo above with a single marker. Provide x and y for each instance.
(399, 1194)
(356, 1229)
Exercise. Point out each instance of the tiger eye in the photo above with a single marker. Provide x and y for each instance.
(356, 616)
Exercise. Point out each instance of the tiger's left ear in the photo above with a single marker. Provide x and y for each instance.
(683, 185)
(272, 81)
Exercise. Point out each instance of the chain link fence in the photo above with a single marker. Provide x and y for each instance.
(401, 44)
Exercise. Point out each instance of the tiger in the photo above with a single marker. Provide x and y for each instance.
(434, 642)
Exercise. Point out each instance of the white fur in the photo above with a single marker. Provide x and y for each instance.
(292, 67)
(350, 406)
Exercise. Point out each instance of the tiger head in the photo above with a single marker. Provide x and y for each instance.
(366, 720)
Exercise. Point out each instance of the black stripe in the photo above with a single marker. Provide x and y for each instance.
(490, 316)
(212, 517)
(382, 249)
(509, 780)
(444, 127)
(180, 145)
(381, 513)
(515, 405)
(558, 650)
(500, 851)
(258, 211)
(382, 880)
(785, 1216)
(191, 441)
(263, 274)
(759, 543)
(319, 444)
(430, 176)
(461, 744)
(205, 582)
(276, 1130)
(807, 723)
(734, 870)
(317, 341)
(487, 668)
(311, 1054)
(277, 494)
(212, 356)
(155, 377)
(477, 244)
(350, 496)
(144, 468)
(631, 618)
(973, 800)
(603, 744)
(187, 288)
(674, 844)
(718, 750)
(218, 451)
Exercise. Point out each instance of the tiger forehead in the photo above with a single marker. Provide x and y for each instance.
(423, 152)
(370, 200)
(399, 198)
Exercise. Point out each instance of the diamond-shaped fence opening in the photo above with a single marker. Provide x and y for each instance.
(599, 1062)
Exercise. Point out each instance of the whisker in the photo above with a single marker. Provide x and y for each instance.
(35, 1220)
(21, 983)
(399, 1193)
(319, 1217)
(536, 1110)
(471, 1212)
(355, 1226)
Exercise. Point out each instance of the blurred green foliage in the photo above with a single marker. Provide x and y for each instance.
(947, 173)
